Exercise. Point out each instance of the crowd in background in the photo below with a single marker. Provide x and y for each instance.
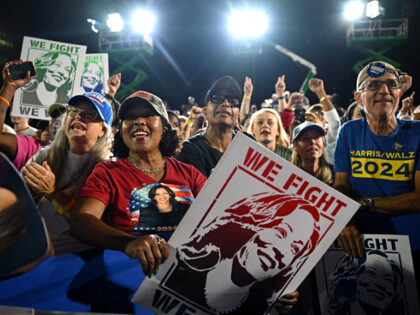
(78, 164)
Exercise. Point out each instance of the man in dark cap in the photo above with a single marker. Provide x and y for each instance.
(221, 110)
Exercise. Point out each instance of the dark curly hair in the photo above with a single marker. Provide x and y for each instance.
(167, 144)
(152, 195)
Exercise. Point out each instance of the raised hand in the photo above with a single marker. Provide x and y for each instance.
(316, 86)
(7, 81)
(294, 98)
(280, 86)
(248, 87)
(406, 82)
(114, 83)
(408, 102)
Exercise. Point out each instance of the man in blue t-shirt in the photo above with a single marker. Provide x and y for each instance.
(377, 162)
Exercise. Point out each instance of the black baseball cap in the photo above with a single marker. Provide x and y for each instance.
(224, 83)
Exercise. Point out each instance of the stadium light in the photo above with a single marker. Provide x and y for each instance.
(374, 9)
(247, 23)
(143, 21)
(354, 10)
(115, 22)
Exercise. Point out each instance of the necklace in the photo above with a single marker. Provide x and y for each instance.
(148, 171)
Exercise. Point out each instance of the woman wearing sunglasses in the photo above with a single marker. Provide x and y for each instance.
(56, 173)
(111, 211)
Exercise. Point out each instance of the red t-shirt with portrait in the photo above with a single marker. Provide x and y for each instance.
(124, 189)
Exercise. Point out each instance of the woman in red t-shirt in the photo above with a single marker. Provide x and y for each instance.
(110, 208)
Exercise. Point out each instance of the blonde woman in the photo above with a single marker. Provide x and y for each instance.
(57, 172)
(265, 125)
(309, 144)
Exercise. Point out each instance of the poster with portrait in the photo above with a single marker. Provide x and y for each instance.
(381, 283)
(254, 232)
(59, 67)
(95, 74)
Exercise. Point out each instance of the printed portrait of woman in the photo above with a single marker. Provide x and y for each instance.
(164, 212)
(93, 77)
(370, 285)
(241, 260)
(54, 81)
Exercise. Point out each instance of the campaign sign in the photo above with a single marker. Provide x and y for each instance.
(59, 67)
(255, 231)
(95, 74)
(381, 283)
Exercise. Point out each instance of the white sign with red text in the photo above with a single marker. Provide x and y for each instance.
(255, 231)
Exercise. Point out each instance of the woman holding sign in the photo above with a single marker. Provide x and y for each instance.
(111, 201)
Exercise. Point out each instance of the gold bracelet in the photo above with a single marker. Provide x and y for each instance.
(322, 99)
(67, 207)
(5, 101)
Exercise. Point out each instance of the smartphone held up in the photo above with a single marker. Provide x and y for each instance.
(19, 71)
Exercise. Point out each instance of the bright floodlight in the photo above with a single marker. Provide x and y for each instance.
(115, 22)
(143, 21)
(373, 9)
(248, 23)
(353, 10)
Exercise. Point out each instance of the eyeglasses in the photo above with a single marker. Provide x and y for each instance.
(219, 99)
(374, 85)
(86, 114)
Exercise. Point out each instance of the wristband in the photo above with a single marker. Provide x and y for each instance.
(67, 207)
(187, 123)
(246, 97)
(5, 101)
(322, 99)
(280, 98)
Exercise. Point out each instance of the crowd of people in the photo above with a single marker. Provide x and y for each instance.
(103, 174)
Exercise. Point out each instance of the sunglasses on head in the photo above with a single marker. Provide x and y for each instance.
(219, 99)
(374, 85)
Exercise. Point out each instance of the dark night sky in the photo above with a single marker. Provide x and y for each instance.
(194, 34)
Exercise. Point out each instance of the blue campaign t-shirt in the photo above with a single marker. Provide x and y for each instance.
(381, 166)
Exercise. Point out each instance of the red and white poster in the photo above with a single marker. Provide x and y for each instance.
(255, 231)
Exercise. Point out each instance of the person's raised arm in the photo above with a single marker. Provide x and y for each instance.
(280, 87)
(113, 85)
(191, 125)
(8, 142)
(88, 227)
(246, 101)
(407, 105)
(406, 82)
(317, 87)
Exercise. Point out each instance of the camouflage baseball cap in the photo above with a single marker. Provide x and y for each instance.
(376, 69)
(142, 97)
